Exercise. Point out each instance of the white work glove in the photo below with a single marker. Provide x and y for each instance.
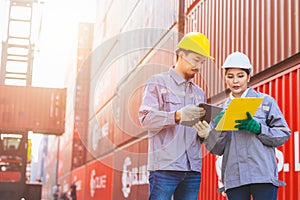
(202, 128)
(191, 112)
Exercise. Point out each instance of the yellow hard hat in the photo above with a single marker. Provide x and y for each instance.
(196, 42)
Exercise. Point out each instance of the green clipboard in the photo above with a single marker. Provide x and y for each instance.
(237, 110)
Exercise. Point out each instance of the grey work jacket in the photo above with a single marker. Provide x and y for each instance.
(250, 158)
(171, 145)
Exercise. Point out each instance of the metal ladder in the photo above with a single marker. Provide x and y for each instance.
(18, 50)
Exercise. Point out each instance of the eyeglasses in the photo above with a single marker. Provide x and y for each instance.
(195, 62)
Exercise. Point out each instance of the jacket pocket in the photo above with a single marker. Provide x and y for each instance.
(171, 102)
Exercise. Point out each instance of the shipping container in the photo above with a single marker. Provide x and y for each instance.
(78, 178)
(78, 150)
(115, 17)
(65, 148)
(81, 94)
(50, 166)
(65, 156)
(118, 86)
(99, 179)
(64, 184)
(40, 110)
(101, 133)
(285, 88)
(69, 150)
(130, 171)
(126, 103)
(267, 31)
(127, 50)
(114, 60)
(147, 15)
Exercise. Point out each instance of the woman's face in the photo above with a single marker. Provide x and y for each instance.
(237, 81)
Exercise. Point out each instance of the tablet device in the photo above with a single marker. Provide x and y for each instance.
(211, 112)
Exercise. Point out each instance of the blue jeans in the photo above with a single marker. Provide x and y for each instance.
(259, 191)
(182, 185)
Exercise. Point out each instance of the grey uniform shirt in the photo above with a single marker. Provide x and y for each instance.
(250, 158)
(171, 145)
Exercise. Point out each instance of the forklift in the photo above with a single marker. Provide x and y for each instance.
(13, 162)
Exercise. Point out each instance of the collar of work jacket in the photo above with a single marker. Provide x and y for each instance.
(178, 78)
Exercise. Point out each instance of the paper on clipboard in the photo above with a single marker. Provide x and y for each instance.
(211, 112)
(237, 110)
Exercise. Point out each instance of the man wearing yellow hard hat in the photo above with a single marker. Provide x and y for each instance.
(170, 98)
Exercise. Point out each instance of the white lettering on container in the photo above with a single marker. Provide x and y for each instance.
(133, 176)
(97, 182)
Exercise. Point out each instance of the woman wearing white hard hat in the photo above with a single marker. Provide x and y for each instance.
(249, 166)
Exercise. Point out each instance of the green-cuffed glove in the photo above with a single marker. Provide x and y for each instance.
(219, 116)
(249, 124)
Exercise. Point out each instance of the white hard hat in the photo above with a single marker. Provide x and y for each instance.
(237, 60)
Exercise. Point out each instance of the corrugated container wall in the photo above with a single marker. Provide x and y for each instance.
(70, 151)
(127, 50)
(285, 88)
(50, 166)
(132, 45)
(267, 31)
(41, 110)
(58, 171)
(82, 92)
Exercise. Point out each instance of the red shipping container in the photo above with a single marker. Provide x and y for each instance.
(78, 178)
(103, 89)
(101, 133)
(65, 182)
(126, 104)
(285, 88)
(41, 110)
(267, 31)
(130, 171)
(99, 181)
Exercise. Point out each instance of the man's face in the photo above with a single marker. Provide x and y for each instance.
(190, 64)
